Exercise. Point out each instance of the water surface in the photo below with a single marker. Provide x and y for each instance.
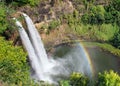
(101, 60)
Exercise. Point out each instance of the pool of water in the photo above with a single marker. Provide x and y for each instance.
(103, 60)
(100, 60)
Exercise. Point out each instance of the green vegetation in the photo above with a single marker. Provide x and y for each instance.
(54, 24)
(116, 40)
(76, 79)
(3, 20)
(95, 15)
(108, 79)
(12, 63)
(104, 79)
(113, 12)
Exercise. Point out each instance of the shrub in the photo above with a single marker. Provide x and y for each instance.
(77, 79)
(3, 21)
(64, 83)
(13, 65)
(53, 24)
(95, 15)
(108, 79)
(85, 18)
(104, 79)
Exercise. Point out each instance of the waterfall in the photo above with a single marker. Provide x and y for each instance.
(50, 70)
(37, 42)
(29, 48)
(35, 48)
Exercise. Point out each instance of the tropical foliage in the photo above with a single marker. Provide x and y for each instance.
(3, 20)
(13, 65)
(104, 79)
(77, 79)
(95, 15)
(108, 79)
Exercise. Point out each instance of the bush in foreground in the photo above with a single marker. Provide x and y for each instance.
(104, 79)
(13, 65)
(108, 79)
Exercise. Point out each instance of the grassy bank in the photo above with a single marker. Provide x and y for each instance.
(105, 47)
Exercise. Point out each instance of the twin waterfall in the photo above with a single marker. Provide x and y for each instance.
(35, 48)
(50, 70)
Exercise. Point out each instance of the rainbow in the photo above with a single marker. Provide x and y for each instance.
(88, 59)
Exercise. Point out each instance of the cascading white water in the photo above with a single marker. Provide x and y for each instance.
(40, 65)
(31, 53)
(37, 42)
(50, 70)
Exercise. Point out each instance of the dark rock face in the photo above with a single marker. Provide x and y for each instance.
(48, 10)
(13, 36)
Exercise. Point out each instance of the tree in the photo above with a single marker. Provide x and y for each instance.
(112, 14)
(116, 4)
(95, 15)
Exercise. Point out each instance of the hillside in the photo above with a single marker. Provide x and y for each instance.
(59, 11)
